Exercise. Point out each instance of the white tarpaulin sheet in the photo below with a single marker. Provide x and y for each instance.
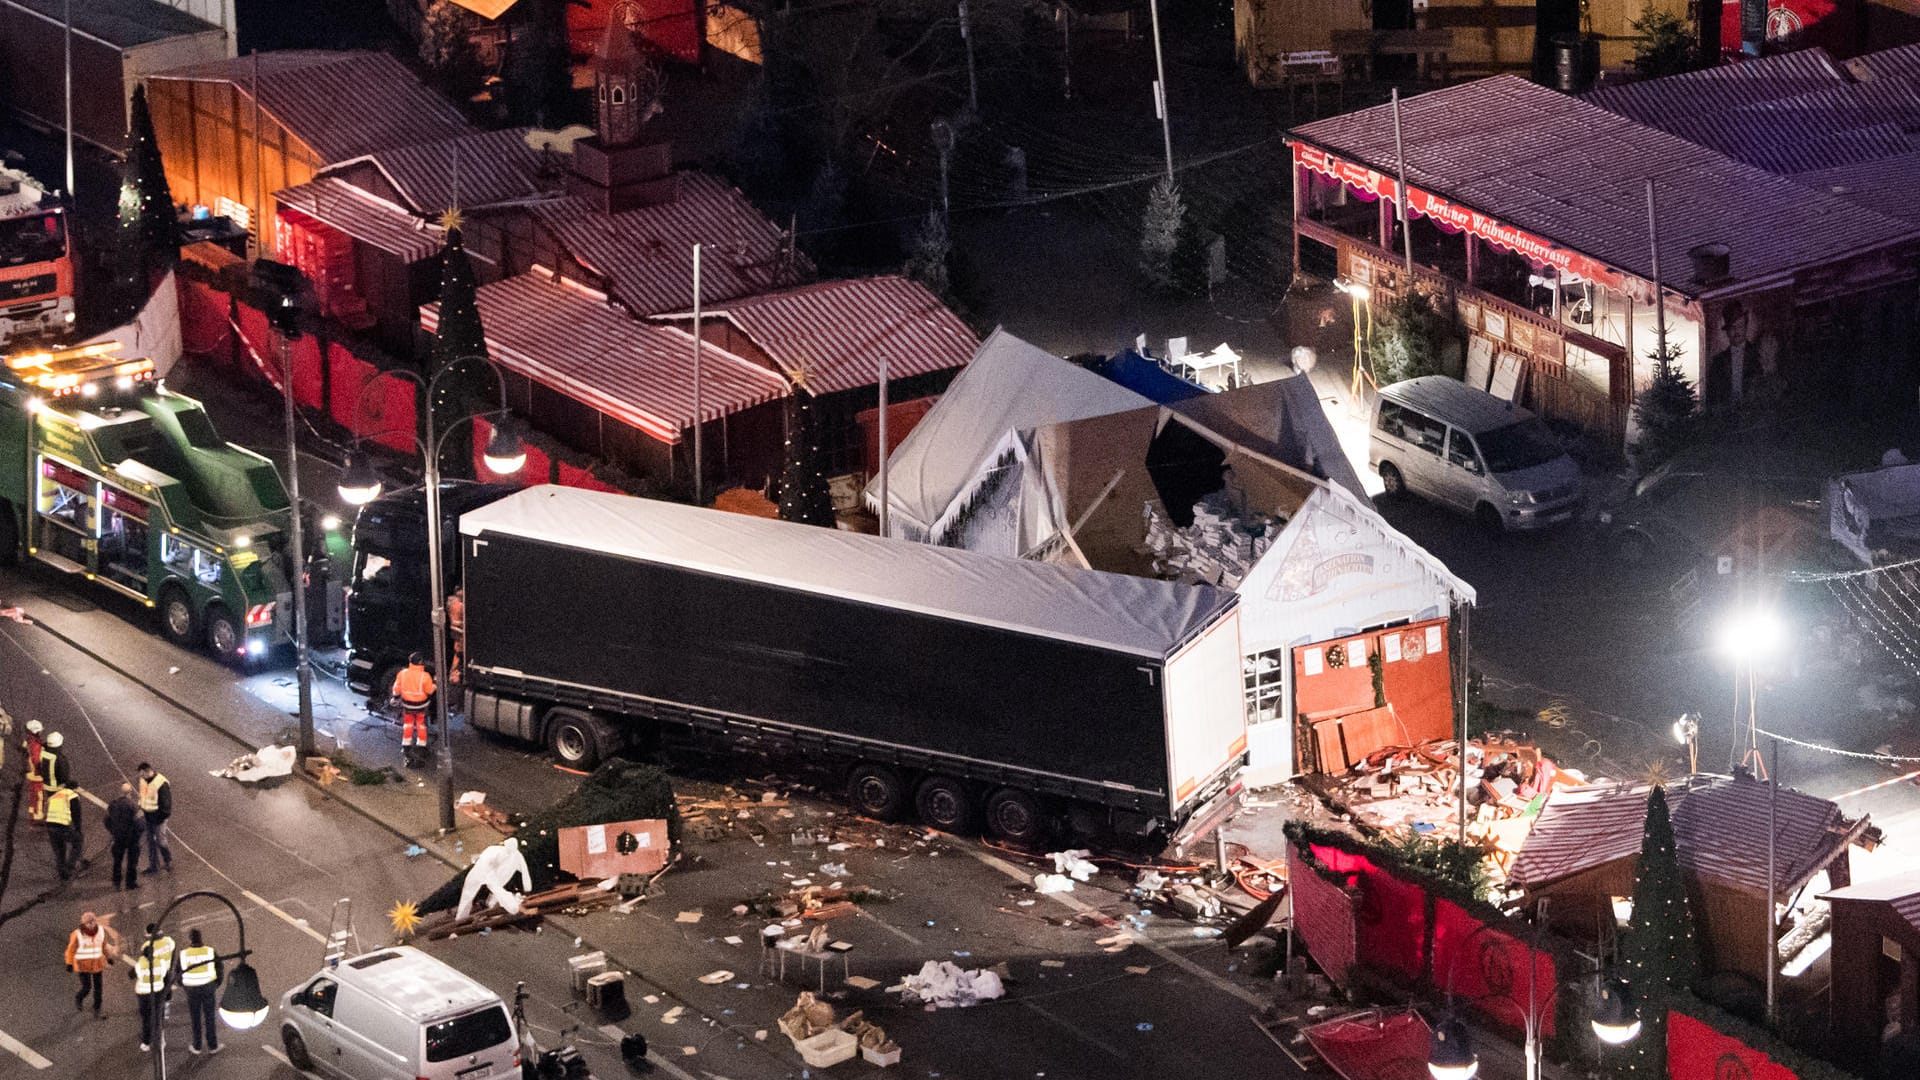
(155, 333)
(1009, 386)
(1114, 611)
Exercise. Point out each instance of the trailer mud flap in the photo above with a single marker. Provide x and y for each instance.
(1207, 817)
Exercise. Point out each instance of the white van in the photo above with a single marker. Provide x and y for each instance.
(398, 1014)
(1464, 448)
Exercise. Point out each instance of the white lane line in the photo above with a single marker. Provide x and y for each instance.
(612, 1031)
(1076, 1030)
(297, 924)
(1171, 957)
(275, 1053)
(23, 1051)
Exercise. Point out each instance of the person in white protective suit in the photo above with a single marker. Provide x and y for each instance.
(491, 870)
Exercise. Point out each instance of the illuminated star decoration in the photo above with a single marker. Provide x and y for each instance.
(450, 218)
(405, 916)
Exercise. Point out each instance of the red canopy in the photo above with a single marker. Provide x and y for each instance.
(1375, 1045)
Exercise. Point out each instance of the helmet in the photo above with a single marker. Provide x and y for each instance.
(416, 659)
(54, 739)
(33, 727)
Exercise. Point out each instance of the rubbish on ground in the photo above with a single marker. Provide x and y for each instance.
(817, 940)
(1192, 903)
(1074, 864)
(263, 764)
(834, 870)
(809, 1017)
(1150, 881)
(1053, 963)
(688, 1051)
(1052, 883)
(322, 769)
(1139, 970)
(471, 798)
(760, 1035)
(861, 982)
(715, 978)
(687, 917)
(414, 851)
(1115, 939)
(672, 1016)
(841, 846)
(732, 939)
(944, 985)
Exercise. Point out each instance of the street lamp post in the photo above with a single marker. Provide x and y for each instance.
(504, 455)
(1746, 638)
(242, 1006)
(1616, 1022)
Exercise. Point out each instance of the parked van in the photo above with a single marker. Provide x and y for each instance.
(398, 1014)
(1464, 448)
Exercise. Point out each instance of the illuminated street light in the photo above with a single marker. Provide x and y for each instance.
(1751, 634)
(1617, 1021)
(1452, 1056)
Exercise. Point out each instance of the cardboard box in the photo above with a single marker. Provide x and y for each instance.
(597, 852)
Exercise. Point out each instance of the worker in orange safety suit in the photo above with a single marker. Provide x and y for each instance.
(414, 688)
(457, 628)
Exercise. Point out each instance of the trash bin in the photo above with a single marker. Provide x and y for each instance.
(607, 995)
(1576, 63)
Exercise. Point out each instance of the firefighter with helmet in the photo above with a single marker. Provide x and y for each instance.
(413, 686)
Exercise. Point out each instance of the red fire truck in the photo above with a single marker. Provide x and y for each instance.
(36, 260)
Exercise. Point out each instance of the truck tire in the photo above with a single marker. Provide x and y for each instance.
(225, 640)
(877, 791)
(177, 623)
(9, 535)
(576, 739)
(945, 804)
(1015, 816)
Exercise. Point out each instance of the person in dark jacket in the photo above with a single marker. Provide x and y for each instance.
(124, 824)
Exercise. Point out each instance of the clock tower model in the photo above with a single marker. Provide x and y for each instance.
(617, 69)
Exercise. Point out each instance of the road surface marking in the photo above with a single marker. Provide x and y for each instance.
(1077, 1031)
(23, 1051)
(275, 1053)
(297, 924)
(612, 1031)
(1174, 958)
(885, 925)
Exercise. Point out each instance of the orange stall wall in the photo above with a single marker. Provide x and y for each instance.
(1333, 696)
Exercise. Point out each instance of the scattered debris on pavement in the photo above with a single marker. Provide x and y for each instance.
(945, 985)
(263, 764)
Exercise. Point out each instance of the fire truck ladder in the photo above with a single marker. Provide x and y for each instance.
(341, 940)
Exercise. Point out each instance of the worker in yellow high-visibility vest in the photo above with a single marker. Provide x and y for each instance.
(63, 830)
(151, 964)
(156, 805)
(200, 974)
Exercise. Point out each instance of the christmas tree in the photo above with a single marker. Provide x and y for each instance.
(927, 260)
(458, 337)
(1160, 232)
(803, 482)
(148, 240)
(1665, 409)
(1658, 955)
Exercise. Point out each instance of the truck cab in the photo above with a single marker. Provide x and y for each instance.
(389, 594)
(107, 475)
(36, 260)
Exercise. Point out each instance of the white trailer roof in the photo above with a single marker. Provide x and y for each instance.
(1114, 611)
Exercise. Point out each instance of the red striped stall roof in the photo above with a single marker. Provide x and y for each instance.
(366, 218)
(1718, 826)
(647, 253)
(493, 167)
(569, 339)
(840, 330)
(342, 104)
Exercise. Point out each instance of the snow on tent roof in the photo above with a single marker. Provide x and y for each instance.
(1009, 386)
(1111, 611)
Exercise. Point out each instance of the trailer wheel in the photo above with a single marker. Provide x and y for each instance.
(575, 739)
(945, 804)
(878, 792)
(177, 623)
(1015, 816)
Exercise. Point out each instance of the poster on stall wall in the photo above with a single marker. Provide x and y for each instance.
(1479, 361)
(1507, 369)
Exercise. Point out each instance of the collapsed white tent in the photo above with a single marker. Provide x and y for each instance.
(1009, 385)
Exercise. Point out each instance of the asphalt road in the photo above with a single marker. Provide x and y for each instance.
(1154, 1001)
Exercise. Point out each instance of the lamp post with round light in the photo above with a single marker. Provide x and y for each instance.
(1616, 1020)
(242, 1006)
(504, 455)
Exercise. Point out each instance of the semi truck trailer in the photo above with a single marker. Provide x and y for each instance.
(968, 689)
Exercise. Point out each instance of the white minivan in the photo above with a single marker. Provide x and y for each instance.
(1464, 448)
(398, 1014)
